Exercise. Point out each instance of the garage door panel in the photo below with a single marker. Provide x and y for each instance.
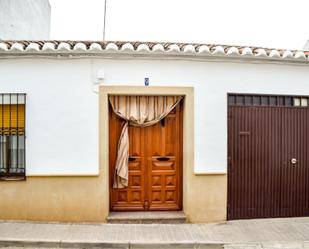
(294, 201)
(253, 186)
(268, 156)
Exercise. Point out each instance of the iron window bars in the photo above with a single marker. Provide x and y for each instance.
(267, 100)
(12, 136)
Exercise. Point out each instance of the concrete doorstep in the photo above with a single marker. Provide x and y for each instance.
(290, 233)
(157, 217)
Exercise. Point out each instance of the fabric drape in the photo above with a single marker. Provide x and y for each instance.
(139, 111)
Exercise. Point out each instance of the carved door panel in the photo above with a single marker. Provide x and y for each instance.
(164, 150)
(155, 165)
(132, 197)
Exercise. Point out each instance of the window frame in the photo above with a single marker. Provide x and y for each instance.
(19, 145)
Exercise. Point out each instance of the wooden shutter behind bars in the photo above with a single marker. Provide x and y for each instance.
(12, 118)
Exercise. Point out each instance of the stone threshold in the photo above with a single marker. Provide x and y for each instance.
(147, 217)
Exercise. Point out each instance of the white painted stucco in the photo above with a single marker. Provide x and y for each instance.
(24, 19)
(62, 109)
(61, 114)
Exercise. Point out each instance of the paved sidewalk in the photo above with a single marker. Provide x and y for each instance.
(263, 233)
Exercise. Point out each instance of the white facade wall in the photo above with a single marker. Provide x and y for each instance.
(61, 114)
(62, 108)
(24, 19)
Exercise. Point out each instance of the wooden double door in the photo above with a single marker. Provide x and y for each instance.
(155, 164)
(268, 172)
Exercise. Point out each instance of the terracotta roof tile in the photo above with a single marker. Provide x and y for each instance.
(98, 47)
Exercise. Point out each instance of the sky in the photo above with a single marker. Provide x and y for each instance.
(267, 23)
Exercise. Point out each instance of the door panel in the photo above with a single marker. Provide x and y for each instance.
(155, 164)
(164, 184)
(132, 197)
(253, 183)
(262, 180)
(136, 192)
(164, 161)
(295, 176)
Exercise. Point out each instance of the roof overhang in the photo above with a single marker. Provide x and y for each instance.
(112, 49)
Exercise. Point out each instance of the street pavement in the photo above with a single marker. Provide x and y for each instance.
(250, 234)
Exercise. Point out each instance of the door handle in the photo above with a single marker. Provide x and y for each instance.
(163, 158)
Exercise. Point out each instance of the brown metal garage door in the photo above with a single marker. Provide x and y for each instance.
(268, 156)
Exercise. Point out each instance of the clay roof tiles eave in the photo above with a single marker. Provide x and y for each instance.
(17, 47)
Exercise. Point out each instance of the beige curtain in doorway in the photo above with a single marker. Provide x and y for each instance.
(139, 111)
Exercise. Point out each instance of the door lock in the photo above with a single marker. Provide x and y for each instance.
(293, 161)
(146, 204)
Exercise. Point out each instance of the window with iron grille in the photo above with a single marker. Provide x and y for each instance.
(12, 136)
(268, 100)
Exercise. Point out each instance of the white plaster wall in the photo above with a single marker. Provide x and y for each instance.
(211, 81)
(61, 114)
(24, 19)
(62, 110)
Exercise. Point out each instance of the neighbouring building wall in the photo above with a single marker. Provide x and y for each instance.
(62, 128)
(306, 46)
(24, 19)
